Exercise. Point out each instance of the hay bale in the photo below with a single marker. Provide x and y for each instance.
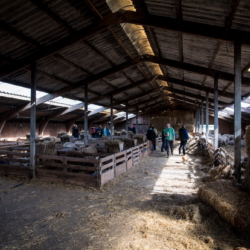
(129, 143)
(231, 203)
(221, 171)
(50, 148)
(140, 138)
(113, 147)
(123, 132)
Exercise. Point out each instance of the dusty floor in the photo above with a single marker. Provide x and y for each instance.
(152, 206)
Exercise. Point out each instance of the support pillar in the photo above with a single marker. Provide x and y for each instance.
(237, 110)
(126, 118)
(86, 125)
(111, 117)
(216, 121)
(199, 114)
(207, 115)
(136, 127)
(202, 117)
(33, 121)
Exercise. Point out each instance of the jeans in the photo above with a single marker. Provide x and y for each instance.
(163, 144)
(169, 144)
(183, 147)
(153, 145)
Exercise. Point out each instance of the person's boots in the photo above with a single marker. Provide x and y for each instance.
(167, 154)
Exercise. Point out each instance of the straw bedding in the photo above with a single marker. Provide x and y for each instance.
(231, 203)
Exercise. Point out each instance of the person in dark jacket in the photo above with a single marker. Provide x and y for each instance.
(99, 132)
(183, 134)
(75, 132)
(151, 137)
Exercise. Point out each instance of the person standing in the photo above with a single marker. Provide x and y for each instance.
(183, 134)
(163, 139)
(75, 132)
(99, 131)
(169, 134)
(151, 136)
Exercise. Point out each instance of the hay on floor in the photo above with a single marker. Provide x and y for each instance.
(231, 203)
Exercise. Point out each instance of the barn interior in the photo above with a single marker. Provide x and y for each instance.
(118, 64)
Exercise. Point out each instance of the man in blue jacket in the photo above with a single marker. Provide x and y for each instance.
(183, 134)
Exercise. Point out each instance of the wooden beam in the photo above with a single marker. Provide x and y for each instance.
(46, 120)
(165, 23)
(20, 36)
(44, 7)
(229, 20)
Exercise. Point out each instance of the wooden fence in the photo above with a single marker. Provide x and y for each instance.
(93, 170)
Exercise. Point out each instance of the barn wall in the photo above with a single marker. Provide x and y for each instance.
(225, 127)
(159, 120)
(15, 130)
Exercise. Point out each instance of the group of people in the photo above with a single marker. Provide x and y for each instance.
(95, 132)
(100, 131)
(168, 138)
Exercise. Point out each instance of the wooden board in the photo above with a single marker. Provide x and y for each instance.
(120, 163)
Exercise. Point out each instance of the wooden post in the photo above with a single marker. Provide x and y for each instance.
(196, 121)
(33, 121)
(199, 119)
(216, 121)
(207, 115)
(237, 110)
(111, 117)
(202, 116)
(86, 127)
(126, 118)
(136, 127)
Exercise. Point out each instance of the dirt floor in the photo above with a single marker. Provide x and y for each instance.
(152, 206)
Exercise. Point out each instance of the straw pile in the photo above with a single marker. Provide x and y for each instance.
(219, 172)
(61, 134)
(123, 132)
(247, 171)
(113, 146)
(231, 203)
(140, 138)
(190, 128)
